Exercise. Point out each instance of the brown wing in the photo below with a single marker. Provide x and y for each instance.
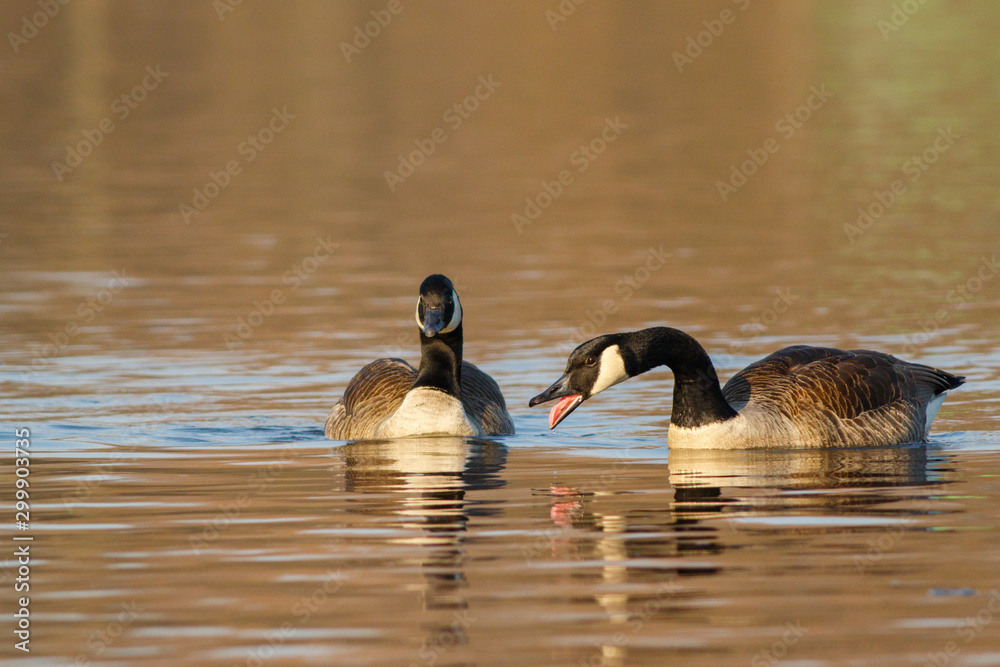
(374, 393)
(484, 402)
(842, 394)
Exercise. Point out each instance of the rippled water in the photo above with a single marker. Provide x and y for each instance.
(183, 304)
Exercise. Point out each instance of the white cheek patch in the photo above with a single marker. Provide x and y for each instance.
(611, 370)
(456, 317)
(416, 315)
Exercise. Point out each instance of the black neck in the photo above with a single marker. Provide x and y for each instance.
(698, 398)
(441, 362)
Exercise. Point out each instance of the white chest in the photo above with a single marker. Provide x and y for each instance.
(428, 412)
(748, 430)
(710, 436)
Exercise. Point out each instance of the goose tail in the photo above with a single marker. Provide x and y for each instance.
(939, 383)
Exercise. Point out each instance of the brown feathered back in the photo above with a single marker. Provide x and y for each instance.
(844, 396)
(378, 389)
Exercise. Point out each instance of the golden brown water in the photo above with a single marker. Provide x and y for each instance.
(192, 272)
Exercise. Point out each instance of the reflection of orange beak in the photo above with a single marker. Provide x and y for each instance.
(562, 513)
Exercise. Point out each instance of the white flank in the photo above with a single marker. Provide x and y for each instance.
(933, 407)
(428, 411)
(611, 370)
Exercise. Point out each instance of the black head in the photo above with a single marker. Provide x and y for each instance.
(591, 368)
(438, 308)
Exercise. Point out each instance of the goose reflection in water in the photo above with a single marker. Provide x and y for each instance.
(706, 482)
(647, 558)
(424, 482)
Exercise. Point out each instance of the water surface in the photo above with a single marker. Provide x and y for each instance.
(181, 308)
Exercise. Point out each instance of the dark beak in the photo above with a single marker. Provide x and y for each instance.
(432, 322)
(560, 389)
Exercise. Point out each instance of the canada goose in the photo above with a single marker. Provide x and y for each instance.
(388, 398)
(800, 396)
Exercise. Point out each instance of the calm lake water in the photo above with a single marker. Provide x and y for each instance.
(215, 213)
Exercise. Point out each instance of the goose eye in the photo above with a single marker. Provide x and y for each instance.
(591, 361)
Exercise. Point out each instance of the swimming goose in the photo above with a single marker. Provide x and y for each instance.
(388, 398)
(800, 396)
